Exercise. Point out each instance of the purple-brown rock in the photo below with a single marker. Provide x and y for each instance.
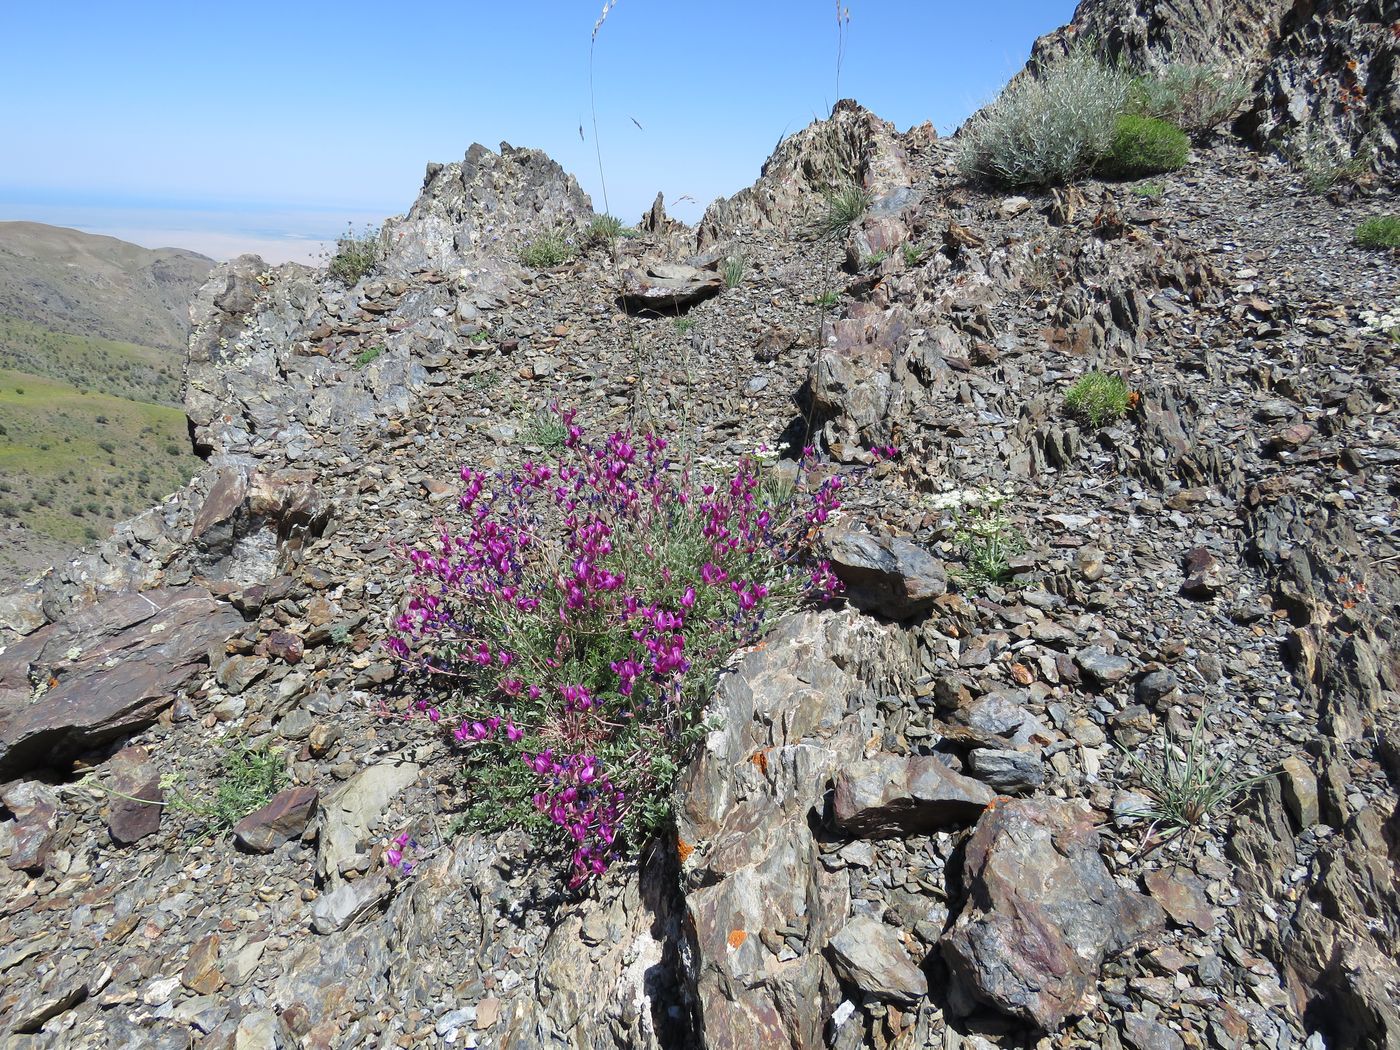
(281, 820)
(35, 809)
(137, 798)
(1042, 913)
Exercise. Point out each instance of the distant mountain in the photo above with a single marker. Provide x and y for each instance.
(84, 284)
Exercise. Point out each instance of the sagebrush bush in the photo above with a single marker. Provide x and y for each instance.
(1099, 397)
(1379, 231)
(550, 248)
(1047, 130)
(579, 613)
(1196, 98)
(1144, 146)
(356, 255)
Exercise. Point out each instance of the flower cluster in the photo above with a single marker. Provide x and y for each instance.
(396, 855)
(577, 616)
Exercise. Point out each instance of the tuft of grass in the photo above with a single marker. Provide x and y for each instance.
(1197, 98)
(546, 430)
(356, 254)
(733, 270)
(1379, 231)
(913, 255)
(1047, 130)
(845, 206)
(1191, 785)
(1144, 146)
(365, 356)
(551, 248)
(827, 299)
(1149, 190)
(603, 229)
(683, 324)
(1099, 397)
(874, 259)
(1324, 162)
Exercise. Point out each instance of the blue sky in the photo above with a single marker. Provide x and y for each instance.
(270, 126)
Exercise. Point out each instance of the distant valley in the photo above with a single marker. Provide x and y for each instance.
(92, 340)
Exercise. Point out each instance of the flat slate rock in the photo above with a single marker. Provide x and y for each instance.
(110, 670)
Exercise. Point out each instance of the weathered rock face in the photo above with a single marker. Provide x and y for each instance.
(892, 796)
(488, 204)
(1043, 913)
(1151, 33)
(104, 672)
(793, 717)
(852, 146)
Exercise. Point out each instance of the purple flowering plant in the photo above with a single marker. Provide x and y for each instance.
(568, 627)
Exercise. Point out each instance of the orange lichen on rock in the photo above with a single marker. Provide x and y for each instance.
(737, 938)
(760, 759)
(683, 849)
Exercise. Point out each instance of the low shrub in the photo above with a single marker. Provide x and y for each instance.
(1144, 146)
(1196, 98)
(1379, 231)
(551, 248)
(365, 356)
(356, 255)
(580, 613)
(1047, 130)
(1099, 397)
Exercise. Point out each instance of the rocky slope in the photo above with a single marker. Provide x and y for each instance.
(915, 824)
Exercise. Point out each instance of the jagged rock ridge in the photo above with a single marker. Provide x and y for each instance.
(847, 869)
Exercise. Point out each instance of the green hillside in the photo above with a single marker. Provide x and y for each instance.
(72, 463)
(140, 373)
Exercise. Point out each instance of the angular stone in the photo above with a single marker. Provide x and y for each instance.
(1142, 1033)
(1299, 784)
(1183, 895)
(1205, 575)
(351, 813)
(22, 612)
(115, 666)
(281, 820)
(889, 796)
(885, 575)
(1009, 772)
(667, 288)
(136, 805)
(35, 809)
(201, 973)
(872, 956)
(1101, 668)
(1042, 912)
(336, 910)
